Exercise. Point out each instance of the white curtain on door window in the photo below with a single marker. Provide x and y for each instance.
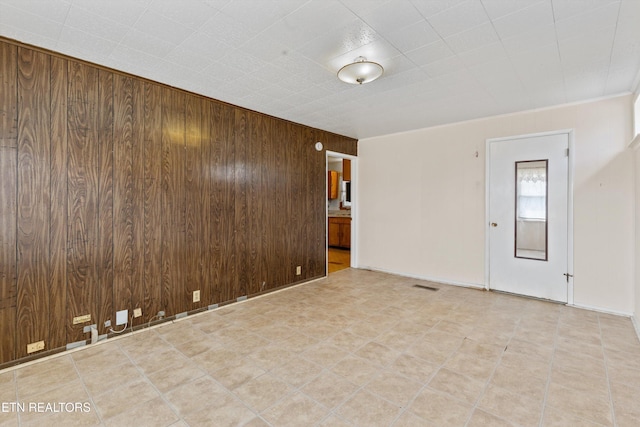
(532, 193)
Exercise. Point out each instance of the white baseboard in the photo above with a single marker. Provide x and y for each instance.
(601, 310)
(636, 324)
(428, 278)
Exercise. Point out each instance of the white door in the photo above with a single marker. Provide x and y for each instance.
(528, 206)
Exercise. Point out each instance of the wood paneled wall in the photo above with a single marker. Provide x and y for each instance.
(117, 193)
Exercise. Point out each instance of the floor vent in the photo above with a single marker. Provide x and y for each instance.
(429, 288)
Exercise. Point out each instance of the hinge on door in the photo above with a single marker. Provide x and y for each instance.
(567, 153)
(567, 275)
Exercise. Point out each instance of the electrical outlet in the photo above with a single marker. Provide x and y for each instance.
(196, 296)
(35, 346)
(107, 323)
(298, 270)
(82, 319)
(137, 312)
(122, 317)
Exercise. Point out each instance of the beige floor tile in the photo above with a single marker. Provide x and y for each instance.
(111, 377)
(440, 409)
(194, 396)
(181, 332)
(226, 411)
(511, 406)
(334, 421)
(329, 389)
(193, 348)
(348, 341)
(159, 360)
(434, 352)
(479, 369)
(262, 392)
(137, 345)
(153, 413)
(8, 391)
(297, 371)
(365, 409)
(625, 375)
(580, 380)
(356, 369)
(297, 342)
(271, 356)
(395, 388)
(532, 365)
(9, 418)
(325, 354)
(413, 367)
(71, 419)
(570, 345)
(530, 349)
(520, 382)
(237, 373)
(42, 377)
(96, 358)
(457, 385)
(48, 402)
(409, 419)
(591, 406)
(593, 366)
(377, 354)
(481, 418)
(215, 359)
(557, 418)
(625, 398)
(295, 410)
(111, 403)
(174, 375)
(355, 340)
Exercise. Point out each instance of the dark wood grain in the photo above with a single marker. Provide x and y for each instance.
(82, 197)
(175, 295)
(152, 199)
(123, 195)
(117, 193)
(33, 206)
(105, 202)
(240, 247)
(128, 204)
(193, 202)
(58, 206)
(8, 198)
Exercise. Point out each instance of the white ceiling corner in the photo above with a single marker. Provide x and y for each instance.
(445, 60)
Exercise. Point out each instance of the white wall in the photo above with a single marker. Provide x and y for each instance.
(422, 199)
(637, 236)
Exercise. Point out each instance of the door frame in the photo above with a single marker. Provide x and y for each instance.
(488, 142)
(354, 206)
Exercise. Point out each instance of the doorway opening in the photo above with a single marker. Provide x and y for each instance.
(341, 208)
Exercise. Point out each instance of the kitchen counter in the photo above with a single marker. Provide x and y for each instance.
(340, 214)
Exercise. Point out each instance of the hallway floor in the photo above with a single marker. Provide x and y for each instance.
(359, 348)
(339, 259)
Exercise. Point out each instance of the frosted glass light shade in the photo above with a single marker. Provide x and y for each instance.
(360, 71)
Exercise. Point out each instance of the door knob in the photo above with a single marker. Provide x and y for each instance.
(494, 224)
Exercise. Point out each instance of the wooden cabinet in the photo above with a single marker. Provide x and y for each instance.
(346, 170)
(340, 232)
(332, 185)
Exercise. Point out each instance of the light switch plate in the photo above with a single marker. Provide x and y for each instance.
(122, 317)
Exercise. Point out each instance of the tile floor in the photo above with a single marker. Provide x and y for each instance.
(357, 349)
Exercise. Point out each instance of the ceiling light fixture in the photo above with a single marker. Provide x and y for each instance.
(360, 71)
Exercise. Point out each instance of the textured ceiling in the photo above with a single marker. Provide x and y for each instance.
(445, 60)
